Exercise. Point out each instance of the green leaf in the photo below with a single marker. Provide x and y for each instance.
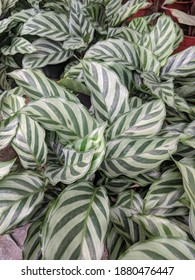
(115, 50)
(47, 24)
(31, 248)
(192, 221)
(160, 89)
(115, 244)
(76, 166)
(8, 130)
(144, 121)
(126, 10)
(5, 167)
(108, 96)
(163, 197)
(5, 84)
(20, 194)
(47, 52)
(74, 85)
(181, 64)
(94, 142)
(76, 224)
(133, 157)
(157, 226)
(128, 203)
(18, 45)
(187, 168)
(79, 26)
(71, 120)
(37, 85)
(163, 38)
(29, 143)
(161, 249)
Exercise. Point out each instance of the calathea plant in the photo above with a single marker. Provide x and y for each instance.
(120, 175)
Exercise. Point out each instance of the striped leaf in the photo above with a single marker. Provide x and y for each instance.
(125, 75)
(163, 38)
(94, 142)
(8, 60)
(76, 224)
(29, 143)
(157, 226)
(115, 50)
(135, 102)
(187, 168)
(160, 89)
(31, 248)
(133, 157)
(79, 26)
(74, 43)
(47, 24)
(47, 52)
(117, 185)
(188, 136)
(76, 166)
(181, 64)
(5, 167)
(115, 244)
(111, 8)
(183, 223)
(95, 14)
(163, 197)
(126, 10)
(8, 130)
(20, 194)
(37, 85)
(192, 221)
(18, 45)
(5, 84)
(128, 203)
(144, 121)
(11, 104)
(161, 249)
(140, 25)
(179, 35)
(5, 5)
(128, 34)
(147, 60)
(108, 96)
(71, 120)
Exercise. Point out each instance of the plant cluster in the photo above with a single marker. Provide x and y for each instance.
(120, 175)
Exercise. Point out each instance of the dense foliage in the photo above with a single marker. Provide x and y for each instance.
(120, 175)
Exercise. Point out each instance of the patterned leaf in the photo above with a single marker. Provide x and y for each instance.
(115, 50)
(48, 52)
(94, 142)
(71, 120)
(187, 168)
(192, 221)
(74, 43)
(135, 102)
(6, 5)
(79, 26)
(160, 89)
(133, 157)
(77, 232)
(5, 167)
(76, 166)
(128, 203)
(157, 226)
(8, 60)
(140, 25)
(11, 104)
(126, 33)
(5, 84)
(31, 247)
(36, 85)
(108, 96)
(116, 244)
(163, 197)
(180, 65)
(47, 24)
(126, 10)
(144, 121)
(8, 130)
(95, 14)
(18, 45)
(163, 38)
(29, 143)
(161, 249)
(117, 185)
(20, 194)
